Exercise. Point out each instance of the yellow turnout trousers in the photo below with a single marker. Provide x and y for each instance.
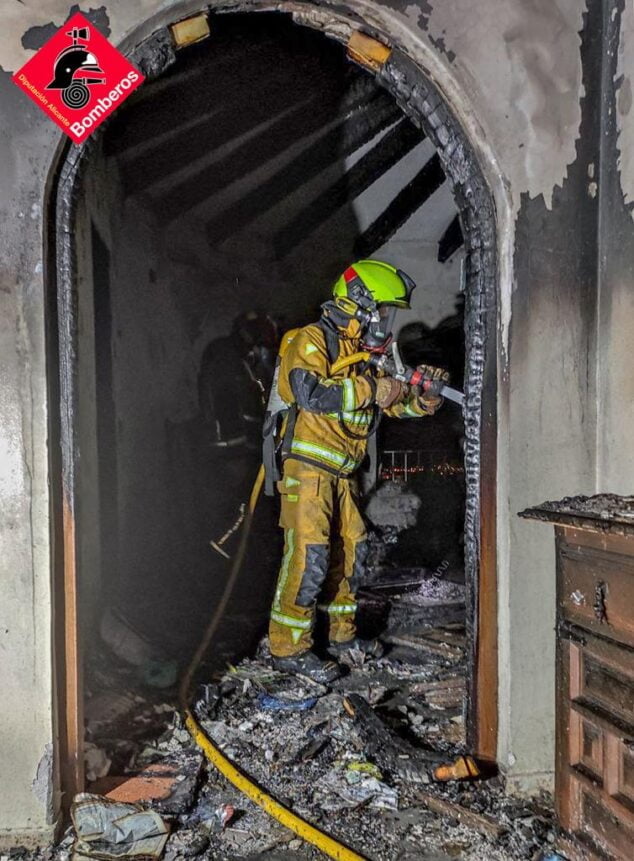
(325, 551)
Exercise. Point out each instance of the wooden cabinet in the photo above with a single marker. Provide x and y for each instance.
(594, 792)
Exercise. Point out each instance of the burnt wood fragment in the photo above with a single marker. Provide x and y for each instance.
(481, 822)
(393, 755)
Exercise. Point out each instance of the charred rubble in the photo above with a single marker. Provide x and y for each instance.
(356, 759)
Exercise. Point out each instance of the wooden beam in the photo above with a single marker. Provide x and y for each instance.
(240, 106)
(368, 52)
(420, 643)
(451, 240)
(392, 147)
(301, 121)
(182, 92)
(219, 129)
(190, 30)
(198, 187)
(72, 724)
(483, 729)
(360, 126)
(405, 204)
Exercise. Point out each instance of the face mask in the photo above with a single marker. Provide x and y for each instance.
(378, 332)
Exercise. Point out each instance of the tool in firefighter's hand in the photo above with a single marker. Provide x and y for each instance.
(434, 379)
(428, 378)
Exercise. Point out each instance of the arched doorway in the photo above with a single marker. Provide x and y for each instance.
(425, 107)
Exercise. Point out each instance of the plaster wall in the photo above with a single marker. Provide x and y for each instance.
(615, 325)
(512, 72)
(27, 789)
(153, 373)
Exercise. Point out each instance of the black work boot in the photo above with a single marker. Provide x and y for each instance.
(310, 665)
(369, 648)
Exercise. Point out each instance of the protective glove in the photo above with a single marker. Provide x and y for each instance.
(435, 379)
(429, 393)
(389, 392)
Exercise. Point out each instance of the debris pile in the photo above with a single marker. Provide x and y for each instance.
(360, 759)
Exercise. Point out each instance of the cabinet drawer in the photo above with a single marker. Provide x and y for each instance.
(596, 591)
(609, 688)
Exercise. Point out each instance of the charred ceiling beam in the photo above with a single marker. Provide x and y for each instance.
(187, 91)
(355, 130)
(451, 240)
(227, 124)
(241, 104)
(203, 184)
(392, 147)
(190, 90)
(267, 144)
(405, 204)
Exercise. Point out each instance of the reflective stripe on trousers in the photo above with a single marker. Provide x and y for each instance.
(325, 543)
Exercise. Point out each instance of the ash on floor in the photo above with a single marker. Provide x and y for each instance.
(302, 744)
(356, 759)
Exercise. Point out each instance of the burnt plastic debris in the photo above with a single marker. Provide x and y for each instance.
(107, 829)
(278, 704)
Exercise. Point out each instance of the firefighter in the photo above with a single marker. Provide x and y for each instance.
(235, 375)
(325, 441)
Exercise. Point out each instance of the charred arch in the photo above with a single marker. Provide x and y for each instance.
(423, 103)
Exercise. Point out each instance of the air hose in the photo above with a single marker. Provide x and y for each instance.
(328, 845)
(340, 364)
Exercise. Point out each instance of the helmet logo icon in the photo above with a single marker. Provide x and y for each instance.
(76, 69)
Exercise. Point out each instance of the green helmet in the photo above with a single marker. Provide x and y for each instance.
(380, 282)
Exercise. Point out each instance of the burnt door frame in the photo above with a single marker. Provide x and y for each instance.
(106, 413)
(423, 103)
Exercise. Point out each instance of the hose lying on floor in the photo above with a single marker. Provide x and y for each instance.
(234, 775)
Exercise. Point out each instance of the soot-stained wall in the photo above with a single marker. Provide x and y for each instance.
(615, 329)
(512, 73)
(551, 368)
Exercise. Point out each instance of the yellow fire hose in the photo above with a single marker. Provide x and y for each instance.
(234, 775)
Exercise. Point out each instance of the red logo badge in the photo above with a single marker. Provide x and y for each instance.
(78, 78)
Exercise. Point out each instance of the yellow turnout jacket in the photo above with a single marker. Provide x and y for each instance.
(334, 414)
